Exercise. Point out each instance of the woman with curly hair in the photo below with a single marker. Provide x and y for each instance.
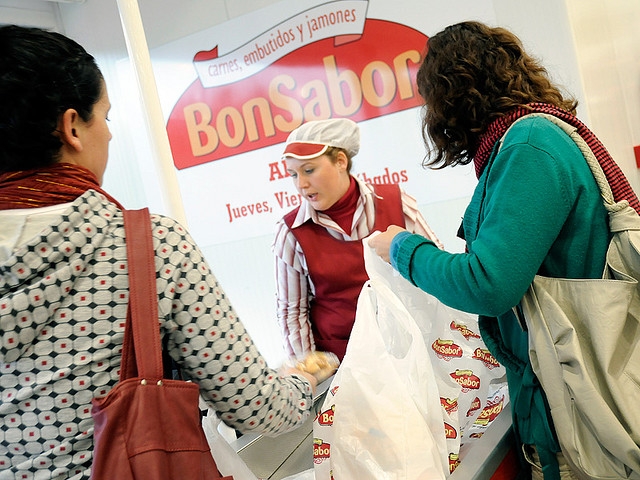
(536, 208)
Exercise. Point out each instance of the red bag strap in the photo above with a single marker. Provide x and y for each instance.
(141, 350)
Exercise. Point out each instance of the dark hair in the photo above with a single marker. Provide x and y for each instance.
(42, 74)
(472, 74)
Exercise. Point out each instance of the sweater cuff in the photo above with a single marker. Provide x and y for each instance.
(403, 247)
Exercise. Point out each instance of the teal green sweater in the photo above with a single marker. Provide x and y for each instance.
(536, 210)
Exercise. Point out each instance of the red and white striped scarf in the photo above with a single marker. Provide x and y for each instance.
(619, 184)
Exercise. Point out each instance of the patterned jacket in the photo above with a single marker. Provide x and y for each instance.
(63, 305)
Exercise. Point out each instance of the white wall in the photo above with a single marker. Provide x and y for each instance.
(607, 39)
(31, 13)
(589, 46)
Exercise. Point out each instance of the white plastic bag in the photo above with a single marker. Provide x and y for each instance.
(387, 420)
(304, 475)
(471, 384)
(415, 383)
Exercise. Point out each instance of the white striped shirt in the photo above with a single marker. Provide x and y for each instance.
(293, 284)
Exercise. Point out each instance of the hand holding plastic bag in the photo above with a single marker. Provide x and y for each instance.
(471, 383)
(416, 382)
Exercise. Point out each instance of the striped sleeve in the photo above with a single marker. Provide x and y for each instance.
(292, 293)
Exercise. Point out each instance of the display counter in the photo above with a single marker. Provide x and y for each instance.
(285, 455)
(292, 453)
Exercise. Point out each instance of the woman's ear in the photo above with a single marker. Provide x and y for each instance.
(68, 129)
(342, 160)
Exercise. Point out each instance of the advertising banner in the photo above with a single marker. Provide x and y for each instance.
(231, 103)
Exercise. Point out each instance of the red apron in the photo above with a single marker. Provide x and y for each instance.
(336, 268)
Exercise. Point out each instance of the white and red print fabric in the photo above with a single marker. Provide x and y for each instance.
(63, 305)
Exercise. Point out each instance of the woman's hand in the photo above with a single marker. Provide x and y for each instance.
(315, 367)
(294, 371)
(381, 243)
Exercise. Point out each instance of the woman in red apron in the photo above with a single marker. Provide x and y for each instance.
(318, 245)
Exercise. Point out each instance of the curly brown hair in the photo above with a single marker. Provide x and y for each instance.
(472, 74)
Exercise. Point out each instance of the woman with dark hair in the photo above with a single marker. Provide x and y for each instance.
(64, 285)
(536, 209)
